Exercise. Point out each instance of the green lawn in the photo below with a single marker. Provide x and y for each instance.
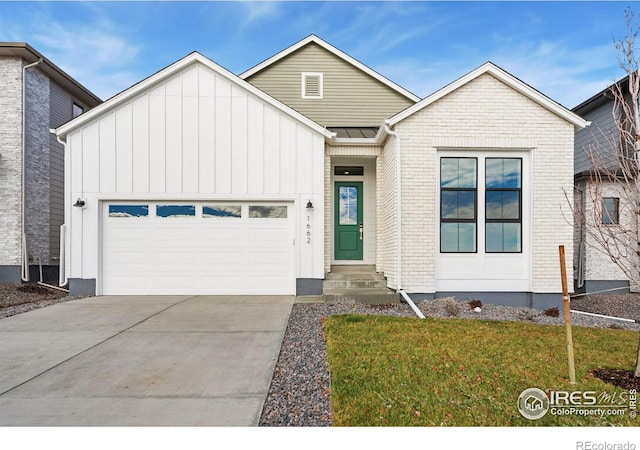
(391, 371)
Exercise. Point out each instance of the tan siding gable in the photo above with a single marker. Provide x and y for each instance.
(351, 98)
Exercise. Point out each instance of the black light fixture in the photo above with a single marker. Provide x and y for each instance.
(79, 203)
(309, 204)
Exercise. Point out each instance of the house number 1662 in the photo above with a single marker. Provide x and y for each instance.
(308, 230)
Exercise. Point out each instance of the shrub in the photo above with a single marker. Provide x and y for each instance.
(527, 314)
(451, 306)
(552, 312)
(475, 304)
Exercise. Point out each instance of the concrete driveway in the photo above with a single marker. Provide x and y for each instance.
(141, 361)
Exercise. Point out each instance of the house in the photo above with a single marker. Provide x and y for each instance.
(199, 181)
(36, 95)
(601, 205)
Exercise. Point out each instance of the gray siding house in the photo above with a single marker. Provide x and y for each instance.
(594, 269)
(36, 96)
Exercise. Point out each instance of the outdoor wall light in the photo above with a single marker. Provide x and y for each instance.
(309, 204)
(79, 203)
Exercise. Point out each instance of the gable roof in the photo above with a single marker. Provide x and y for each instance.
(31, 55)
(506, 78)
(340, 54)
(169, 71)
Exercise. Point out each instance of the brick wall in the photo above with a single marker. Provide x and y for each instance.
(484, 114)
(37, 164)
(10, 159)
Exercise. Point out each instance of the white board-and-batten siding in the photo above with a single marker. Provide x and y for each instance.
(194, 136)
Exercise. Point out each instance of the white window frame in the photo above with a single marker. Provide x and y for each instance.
(304, 84)
(482, 271)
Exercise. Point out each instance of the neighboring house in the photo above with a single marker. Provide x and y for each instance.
(197, 181)
(36, 95)
(594, 270)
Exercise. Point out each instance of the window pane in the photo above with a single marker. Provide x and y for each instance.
(267, 212)
(458, 237)
(610, 211)
(458, 173)
(503, 173)
(76, 110)
(503, 205)
(348, 205)
(175, 210)
(221, 211)
(458, 204)
(503, 238)
(512, 235)
(128, 210)
(349, 170)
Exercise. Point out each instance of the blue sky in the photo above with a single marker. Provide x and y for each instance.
(563, 49)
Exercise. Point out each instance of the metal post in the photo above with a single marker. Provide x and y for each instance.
(567, 317)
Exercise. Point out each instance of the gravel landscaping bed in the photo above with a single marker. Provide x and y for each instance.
(300, 390)
(16, 299)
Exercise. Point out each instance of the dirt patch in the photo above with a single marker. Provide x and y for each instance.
(618, 377)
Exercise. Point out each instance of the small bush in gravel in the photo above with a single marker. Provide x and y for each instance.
(527, 314)
(451, 306)
(552, 312)
(475, 304)
(616, 326)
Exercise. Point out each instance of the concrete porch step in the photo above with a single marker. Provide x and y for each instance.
(357, 284)
(350, 283)
(376, 296)
(362, 268)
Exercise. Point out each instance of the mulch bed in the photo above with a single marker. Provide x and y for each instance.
(618, 377)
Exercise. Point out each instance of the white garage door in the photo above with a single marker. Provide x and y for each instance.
(198, 248)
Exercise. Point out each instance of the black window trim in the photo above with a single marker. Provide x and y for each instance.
(475, 205)
(487, 220)
(614, 221)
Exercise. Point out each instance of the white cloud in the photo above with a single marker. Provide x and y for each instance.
(258, 11)
(97, 53)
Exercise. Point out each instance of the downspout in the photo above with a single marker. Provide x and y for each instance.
(581, 249)
(62, 271)
(403, 294)
(389, 131)
(23, 206)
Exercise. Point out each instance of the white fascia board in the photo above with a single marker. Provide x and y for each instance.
(507, 79)
(166, 73)
(355, 141)
(340, 54)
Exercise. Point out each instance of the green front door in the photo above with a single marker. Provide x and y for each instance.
(348, 232)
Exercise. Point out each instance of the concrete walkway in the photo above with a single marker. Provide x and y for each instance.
(141, 361)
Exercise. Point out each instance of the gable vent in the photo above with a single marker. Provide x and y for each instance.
(312, 85)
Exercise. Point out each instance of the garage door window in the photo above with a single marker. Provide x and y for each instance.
(128, 210)
(267, 212)
(221, 211)
(175, 211)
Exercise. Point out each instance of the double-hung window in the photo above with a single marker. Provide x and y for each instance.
(458, 205)
(503, 205)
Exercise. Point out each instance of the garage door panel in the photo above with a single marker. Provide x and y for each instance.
(174, 258)
(198, 255)
(219, 233)
(126, 258)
